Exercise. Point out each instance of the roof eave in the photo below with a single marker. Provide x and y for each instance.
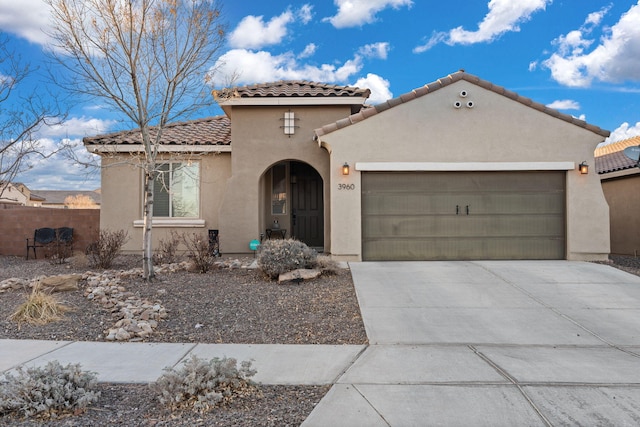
(138, 148)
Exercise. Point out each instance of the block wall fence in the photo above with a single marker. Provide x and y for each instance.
(19, 222)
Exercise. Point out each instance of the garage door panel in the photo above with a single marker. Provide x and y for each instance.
(409, 249)
(409, 203)
(473, 226)
(463, 215)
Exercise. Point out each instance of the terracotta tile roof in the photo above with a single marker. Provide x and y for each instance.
(209, 131)
(293, 88)
(450, 79)
(611, 157)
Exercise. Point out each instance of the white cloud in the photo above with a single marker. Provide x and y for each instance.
(503, 16)
(252, 67)
(305, 13)
(379, 88)
(375, 50)
(564, 104)
(615, 59)
(353, 13)
(624, 131)
(59, 172)
(26, 18)
(246, 66)
(308, 51)
(253, 33)
(76, 127)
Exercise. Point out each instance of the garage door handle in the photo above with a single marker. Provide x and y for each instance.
(457, 209)
(467, 209)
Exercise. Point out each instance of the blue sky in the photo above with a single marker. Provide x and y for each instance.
(579, 56)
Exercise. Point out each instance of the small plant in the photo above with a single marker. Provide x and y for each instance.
(104, 251)
(327, 265)
(40, 308)
(281, 256)
(47, 391)
(202, 385)
(167, 251)
(198, 250)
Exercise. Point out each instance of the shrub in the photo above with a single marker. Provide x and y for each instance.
(327, 265)
(281, 256)
(198, 250)
(104, 251)
(47, 391)
(202, 385)
(40, 308)
(167, 251)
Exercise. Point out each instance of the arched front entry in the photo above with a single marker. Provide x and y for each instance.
(295, 200)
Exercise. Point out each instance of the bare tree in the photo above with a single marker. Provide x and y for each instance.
(22, 114)
(79, 201)
(147, 59)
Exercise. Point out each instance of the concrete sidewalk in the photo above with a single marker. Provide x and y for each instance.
(492, 344)
(452, 343)
(144, 362)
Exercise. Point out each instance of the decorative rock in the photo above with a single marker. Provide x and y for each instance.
(122, 335)
(299, 275)
(61, 283)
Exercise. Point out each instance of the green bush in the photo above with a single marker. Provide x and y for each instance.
(202, 385)
(47, 391)
(281, 256)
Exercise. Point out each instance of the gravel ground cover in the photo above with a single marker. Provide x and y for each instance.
(222, 306)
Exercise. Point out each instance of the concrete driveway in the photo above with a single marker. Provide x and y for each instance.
(495, 343)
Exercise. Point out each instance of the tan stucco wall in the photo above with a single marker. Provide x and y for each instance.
(621, 194)
(258, 143)
(496, 129)
(122, 196)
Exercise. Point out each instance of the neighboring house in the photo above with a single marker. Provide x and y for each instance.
(66, 199)
(620, 178)
(456, 169)
(14, 193)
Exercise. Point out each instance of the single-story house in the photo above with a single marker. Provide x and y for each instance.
(457, 169)
(620, 178)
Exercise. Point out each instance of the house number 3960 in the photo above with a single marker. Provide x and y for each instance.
(346, 186)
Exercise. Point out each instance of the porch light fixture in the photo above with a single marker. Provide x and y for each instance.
(583, 168)
(345, 169)
(289, 123)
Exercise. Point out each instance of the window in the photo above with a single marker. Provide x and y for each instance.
(279, 190)
(177, 190)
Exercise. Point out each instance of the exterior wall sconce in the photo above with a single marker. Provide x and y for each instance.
(289, 123)
(583, 168)
(345, 169)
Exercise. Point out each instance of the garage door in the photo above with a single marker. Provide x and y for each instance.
(463, 215)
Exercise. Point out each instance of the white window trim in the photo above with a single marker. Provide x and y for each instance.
(172, 222)
(171, 162)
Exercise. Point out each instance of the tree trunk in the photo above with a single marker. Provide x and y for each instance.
(147, 248)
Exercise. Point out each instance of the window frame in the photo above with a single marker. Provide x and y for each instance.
(167, 189)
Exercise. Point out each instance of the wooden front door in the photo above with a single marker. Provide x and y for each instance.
(307, 207)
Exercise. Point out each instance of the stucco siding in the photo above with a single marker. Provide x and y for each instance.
(496, 129)
(122, 197)
(625, 218)
(259, 143)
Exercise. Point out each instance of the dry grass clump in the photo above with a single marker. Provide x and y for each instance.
(40, 308)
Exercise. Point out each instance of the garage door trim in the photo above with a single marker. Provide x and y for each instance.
(462, 166)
